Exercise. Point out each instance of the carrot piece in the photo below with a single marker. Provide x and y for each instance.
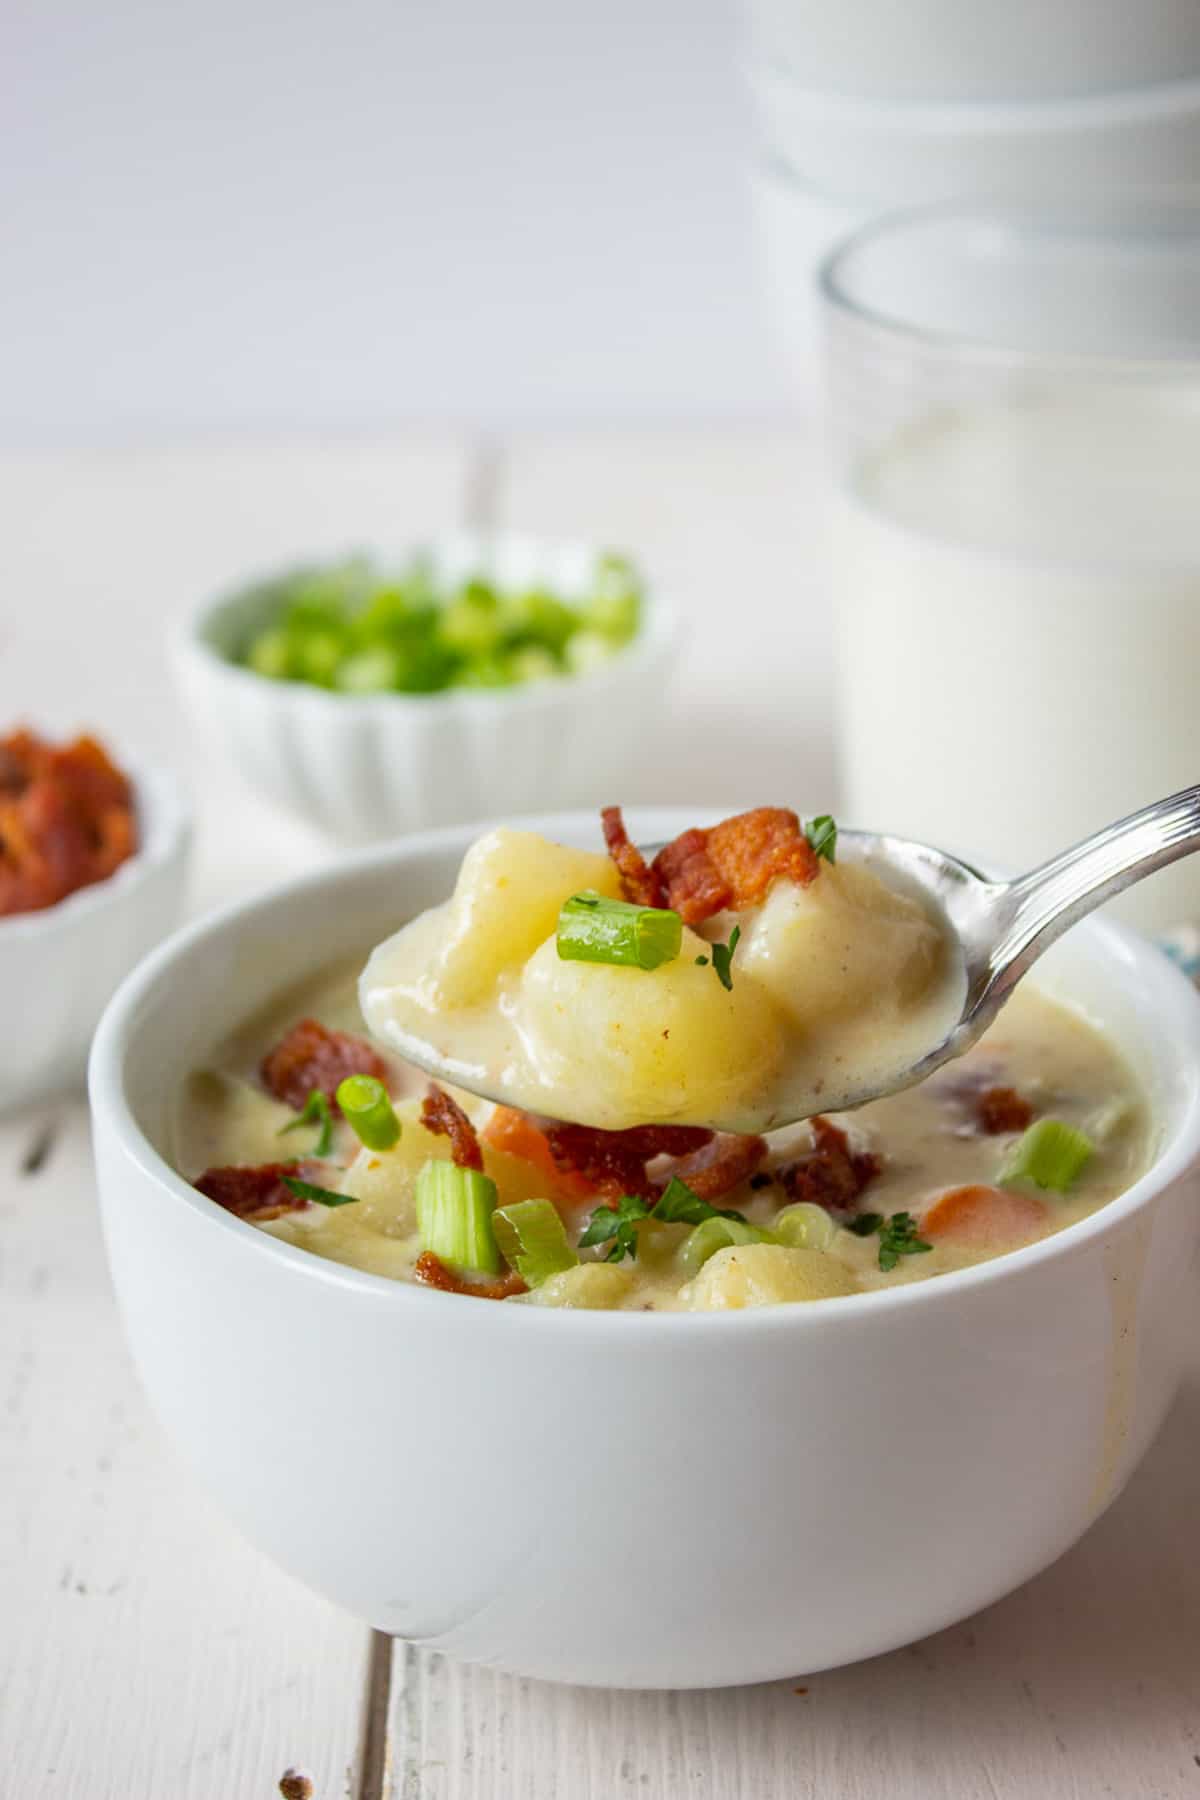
(977, 1217)
(515, 1134)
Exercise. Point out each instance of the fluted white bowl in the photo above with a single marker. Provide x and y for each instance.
(637, 1499)
(60, 966)
(367, 767)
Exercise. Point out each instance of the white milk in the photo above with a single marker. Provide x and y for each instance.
(1019, 606)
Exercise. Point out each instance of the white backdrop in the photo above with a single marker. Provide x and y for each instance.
(262, 214)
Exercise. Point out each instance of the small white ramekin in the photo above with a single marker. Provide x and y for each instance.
(368, 767)
(60, 966)
(638, 1499)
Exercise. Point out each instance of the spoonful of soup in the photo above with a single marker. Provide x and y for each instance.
(742, 977)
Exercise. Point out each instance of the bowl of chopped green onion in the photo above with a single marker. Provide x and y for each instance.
(374, 696)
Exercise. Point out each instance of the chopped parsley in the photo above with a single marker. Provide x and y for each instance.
(317, 1110)
(617, 1225)
(307, 1190)
(821, 833)
(722, 958)
(897, 1235)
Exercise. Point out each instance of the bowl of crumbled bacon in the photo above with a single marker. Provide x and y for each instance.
(92, 860)
(609, 1377)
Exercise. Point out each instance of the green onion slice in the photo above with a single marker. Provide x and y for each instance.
(368, 1111)
(592, 928)
(317, 1110)
(717, 1234)
(1050, 1155)
(454, 1216)
(533, 1240)
(804, 1226)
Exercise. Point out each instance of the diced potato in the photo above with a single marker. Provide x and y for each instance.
(507, 899)
(844, 942)
(765, 1275)
(621, 1045)
(594, 1285)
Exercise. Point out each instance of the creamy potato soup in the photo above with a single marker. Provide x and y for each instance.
(314, 1129)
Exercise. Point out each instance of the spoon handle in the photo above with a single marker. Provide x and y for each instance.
(1038, 907)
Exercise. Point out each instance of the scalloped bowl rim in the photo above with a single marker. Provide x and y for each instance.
(658, 632)
(164, 824)
(107, 1090)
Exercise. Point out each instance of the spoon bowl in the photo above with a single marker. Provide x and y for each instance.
(996, 931)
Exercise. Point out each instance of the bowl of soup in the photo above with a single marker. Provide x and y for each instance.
(882, 1400)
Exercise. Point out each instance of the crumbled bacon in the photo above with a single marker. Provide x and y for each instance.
(734, 863)
(639, 881)
(693, 884)
(66, 820)
(614, 1162)
(1001, 1109)
(721, 1165)
(258, 1194)
(311, 1056)
(832, 1175)
(445, 1117)
(432, 1272)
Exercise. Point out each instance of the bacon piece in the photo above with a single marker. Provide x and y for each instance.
(432, 1272)
(722, 1165)
(311, 1056)
(754, 848)
(639, 880)
(734, 863)
(1001, 1109)
(614, 1162)
(445, 1117)
(832, 1175)
(258, 1194)
(694, 885)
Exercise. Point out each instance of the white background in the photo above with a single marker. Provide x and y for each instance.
(261, 215)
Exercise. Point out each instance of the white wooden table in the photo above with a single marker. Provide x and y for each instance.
(145, 1651)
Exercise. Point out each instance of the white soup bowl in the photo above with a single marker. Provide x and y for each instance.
(637, 1500)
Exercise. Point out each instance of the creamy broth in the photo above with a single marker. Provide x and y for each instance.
(928, 1141)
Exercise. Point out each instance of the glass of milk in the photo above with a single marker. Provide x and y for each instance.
(1015, 400)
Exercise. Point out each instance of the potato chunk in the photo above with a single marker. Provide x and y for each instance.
(765, 1275)
(621, 1045)
(844, 944)
(509, 892)
(596, 1286)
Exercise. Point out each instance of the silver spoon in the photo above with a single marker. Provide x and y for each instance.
(1003, 927)
(1000, 928)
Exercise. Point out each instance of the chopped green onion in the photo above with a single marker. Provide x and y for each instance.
(821, 833)
(1050, 1155)
(454, 1216)
(316, 1110)
(368, 1111)
(722, 956)
(307, 1190)
(594, 929)
(804, 1226)
(532, 1240)
(717, 1234)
